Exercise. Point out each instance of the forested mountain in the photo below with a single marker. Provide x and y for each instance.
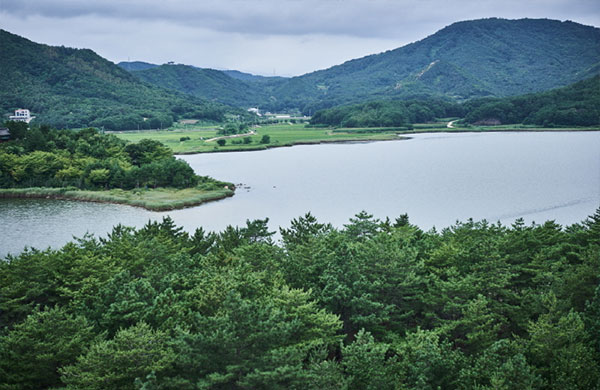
(206, 83)
(375, 305)
(577, 104)
(481, 58)
(470, 59)
(70, 88)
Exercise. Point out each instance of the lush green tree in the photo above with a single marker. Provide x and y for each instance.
(32, 352)
(368, 364)
(134, 353)
(560, 349)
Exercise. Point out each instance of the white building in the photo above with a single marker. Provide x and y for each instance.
(22, 115)
(255, 110)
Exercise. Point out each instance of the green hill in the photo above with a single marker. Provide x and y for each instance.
(70, 88)
(489, 57)
(470, 59)
(207, 83)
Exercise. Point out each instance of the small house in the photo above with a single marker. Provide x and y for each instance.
(4, 134)
(21, 115)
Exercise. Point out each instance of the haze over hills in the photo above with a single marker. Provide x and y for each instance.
(486, 57)
(70, 88)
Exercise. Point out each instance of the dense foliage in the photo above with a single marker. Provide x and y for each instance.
(206, 83)
(471, 59)
(375, 305)
(70, 88)
(86, 159)
(577, 104)
(387, 113)
(574, 105)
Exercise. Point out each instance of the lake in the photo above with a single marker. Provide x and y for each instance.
(436, 178)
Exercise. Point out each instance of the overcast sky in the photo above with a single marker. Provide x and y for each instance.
(282, 37)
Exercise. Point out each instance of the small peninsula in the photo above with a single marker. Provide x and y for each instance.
(86, 165)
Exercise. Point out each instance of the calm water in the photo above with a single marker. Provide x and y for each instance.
(435, 178)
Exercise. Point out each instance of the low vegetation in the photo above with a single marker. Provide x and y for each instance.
(373, 305)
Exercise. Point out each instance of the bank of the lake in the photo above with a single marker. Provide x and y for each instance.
(203, 140)
(153, 199)
(436, 179)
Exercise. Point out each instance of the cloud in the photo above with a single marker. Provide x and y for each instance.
(363, 18)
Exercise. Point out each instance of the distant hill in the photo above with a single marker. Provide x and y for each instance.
(470, 59)
(488, 57)
(136, 65)
(206, 83)
(464, 61)
(70, 88)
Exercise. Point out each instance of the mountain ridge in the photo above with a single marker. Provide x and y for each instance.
(469, 59)
(71, 88)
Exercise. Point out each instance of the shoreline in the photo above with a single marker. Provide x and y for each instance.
(400, 136)
(153, 200)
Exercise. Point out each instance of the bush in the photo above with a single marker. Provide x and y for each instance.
(184, 139)
(221, 142)
(266, 139)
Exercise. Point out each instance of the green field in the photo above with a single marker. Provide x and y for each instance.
(156, 199)
(295, 134)
(280, 135)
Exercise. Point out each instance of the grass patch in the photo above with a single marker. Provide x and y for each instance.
(155, 199)
(279, 134)
(298, 134)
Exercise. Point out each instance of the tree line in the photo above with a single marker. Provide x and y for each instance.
(372, 305)
(87, 159)
(574, 105)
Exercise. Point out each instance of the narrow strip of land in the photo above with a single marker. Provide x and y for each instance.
(155, 199)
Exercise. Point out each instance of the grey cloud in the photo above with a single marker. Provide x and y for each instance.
(361, 18)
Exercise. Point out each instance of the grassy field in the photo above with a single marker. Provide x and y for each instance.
(294, 134)
(280, 135)
(158, 199)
